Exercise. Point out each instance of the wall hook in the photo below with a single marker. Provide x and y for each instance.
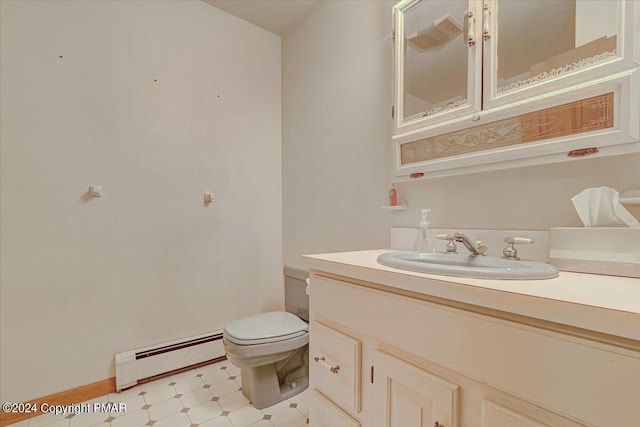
(95, 191)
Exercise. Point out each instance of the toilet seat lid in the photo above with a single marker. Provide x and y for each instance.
(266, 327)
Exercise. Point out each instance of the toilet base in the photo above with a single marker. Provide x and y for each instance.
(270, 384)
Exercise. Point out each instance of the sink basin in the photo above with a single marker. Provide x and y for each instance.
(463, 265)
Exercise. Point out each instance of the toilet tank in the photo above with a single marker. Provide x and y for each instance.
(296, 300)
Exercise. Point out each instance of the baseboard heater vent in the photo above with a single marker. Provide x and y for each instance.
(135, 366)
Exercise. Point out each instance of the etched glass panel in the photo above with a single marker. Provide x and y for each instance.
(435, 58)
(568, 119)
(542, 39)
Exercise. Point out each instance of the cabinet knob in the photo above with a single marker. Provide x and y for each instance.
(437, 424)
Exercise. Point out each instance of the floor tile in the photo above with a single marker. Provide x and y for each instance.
(230, 368)
(289, 418)
(159, 394)
(132, 419)
(187, 386)
(184, 376)
(215, 376)
(218, 422)
(263, 423)
(164, 409)
(245, 416)
(133, 403)
(196, 398)
(204, 412)
(233, 401)
(278, 407)
(303, 407)
(223, 388)
(177, 420)
(88, 419)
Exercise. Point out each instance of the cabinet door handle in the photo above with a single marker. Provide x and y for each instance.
(485, 23)
(470, 32)
(437, 424)
(322, 362)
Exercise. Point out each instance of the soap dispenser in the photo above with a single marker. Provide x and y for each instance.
(424, 239)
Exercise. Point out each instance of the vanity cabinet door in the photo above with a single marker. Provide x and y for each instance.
(438, 61)
(407, 396)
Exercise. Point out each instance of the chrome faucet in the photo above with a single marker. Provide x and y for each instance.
(469, 244)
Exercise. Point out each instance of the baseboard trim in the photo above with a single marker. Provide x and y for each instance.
(75, 395)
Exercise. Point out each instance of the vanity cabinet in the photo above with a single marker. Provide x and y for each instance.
(414, 360)
(490, 84)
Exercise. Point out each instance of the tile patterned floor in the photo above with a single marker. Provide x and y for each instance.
(205, 397)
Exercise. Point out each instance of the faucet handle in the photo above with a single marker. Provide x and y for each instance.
(445, 236)
(518, 240)
(481, 248)
(451, 247)
(510, 252)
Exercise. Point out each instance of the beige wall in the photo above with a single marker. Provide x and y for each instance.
(157, 101)
(531, 198)
(336, 101)
(336, 162)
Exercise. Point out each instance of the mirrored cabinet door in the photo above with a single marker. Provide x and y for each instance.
(533, 47)
(437, 61)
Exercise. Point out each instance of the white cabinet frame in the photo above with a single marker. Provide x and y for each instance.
(619, 75)
(473, 103)
(627, 58)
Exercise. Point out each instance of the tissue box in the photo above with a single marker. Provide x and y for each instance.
(610, 251)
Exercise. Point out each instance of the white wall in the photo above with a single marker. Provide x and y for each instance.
(157, 101)
(336, 102)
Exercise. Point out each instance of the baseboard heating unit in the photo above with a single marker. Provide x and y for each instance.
(141, 364)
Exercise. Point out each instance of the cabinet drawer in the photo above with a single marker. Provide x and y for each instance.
(326, 414)
(334, 360)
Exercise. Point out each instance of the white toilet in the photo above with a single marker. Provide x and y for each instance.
(272, 349)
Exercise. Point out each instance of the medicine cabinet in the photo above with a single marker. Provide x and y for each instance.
(490, 84)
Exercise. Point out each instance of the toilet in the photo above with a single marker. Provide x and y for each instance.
(272, 349)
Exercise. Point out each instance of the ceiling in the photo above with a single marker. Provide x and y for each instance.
(276, 16)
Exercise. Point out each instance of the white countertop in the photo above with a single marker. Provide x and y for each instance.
(606, 304)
